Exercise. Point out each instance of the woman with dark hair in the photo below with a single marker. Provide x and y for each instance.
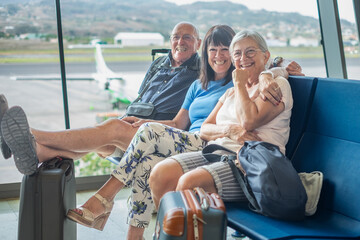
(217, 35)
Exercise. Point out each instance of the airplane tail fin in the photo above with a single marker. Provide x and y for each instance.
(110, 80)
(101, 66)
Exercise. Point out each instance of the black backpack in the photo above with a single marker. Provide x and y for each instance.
(270, 183)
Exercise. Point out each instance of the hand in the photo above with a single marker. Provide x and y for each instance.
(249, 136)
(240, 76)
(293, 68)
(130, 119)
(237, 133)
(139, 123)
(269, 89)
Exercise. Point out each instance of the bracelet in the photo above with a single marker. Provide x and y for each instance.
(268, 72)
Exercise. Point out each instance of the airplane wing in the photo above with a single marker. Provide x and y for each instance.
(50, 77)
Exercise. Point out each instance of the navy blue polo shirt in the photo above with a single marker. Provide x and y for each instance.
(170, 84)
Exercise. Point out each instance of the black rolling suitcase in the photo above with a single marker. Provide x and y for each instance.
(191, 215)
(45, 198)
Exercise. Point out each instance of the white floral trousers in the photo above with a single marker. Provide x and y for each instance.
(152, 143)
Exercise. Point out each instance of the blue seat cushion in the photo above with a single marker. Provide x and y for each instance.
(339, 161)
(324, 223)
(335, 111)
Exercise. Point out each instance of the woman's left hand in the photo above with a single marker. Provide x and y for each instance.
(293, 68)
(238, 134)
(269, 89)
(249, 136)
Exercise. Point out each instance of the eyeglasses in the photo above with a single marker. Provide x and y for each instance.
(249, 53)
(185, 37)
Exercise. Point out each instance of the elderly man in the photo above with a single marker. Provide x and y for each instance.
(164, 87)
(169, 77)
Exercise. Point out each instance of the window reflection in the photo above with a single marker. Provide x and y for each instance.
(350, 38)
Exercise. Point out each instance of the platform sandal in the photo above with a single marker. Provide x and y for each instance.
(86, 217)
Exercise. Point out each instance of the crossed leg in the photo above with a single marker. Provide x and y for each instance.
(74, 143)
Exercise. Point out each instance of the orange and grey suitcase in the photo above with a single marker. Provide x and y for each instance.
(45, 198)
(191, 214)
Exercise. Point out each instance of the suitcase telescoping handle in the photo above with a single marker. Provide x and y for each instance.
(67, 166)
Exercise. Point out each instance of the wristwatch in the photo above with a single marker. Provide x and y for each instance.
(277, 61)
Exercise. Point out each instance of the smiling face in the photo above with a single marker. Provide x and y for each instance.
(219, 59)
(248, 56)
(184, 43)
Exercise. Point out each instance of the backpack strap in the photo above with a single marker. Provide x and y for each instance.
(241, 179)
(154, 69)
(196, 66)
(207, 152)
(150, 76)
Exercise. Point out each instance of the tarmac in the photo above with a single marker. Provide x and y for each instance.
(42, 101)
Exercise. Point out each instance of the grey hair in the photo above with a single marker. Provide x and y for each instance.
(251, 34)
(192, 25)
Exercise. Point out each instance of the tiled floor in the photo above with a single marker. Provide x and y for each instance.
(115, 228)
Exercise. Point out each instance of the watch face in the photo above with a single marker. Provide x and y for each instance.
(277, 61)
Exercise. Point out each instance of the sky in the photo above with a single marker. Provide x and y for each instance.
(304, 7)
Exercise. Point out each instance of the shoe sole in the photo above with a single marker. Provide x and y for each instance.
(16, 133)
(74, 216)
(98, 223)
(4, 147)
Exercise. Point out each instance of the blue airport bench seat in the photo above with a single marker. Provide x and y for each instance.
(324, 136)
(326, 139)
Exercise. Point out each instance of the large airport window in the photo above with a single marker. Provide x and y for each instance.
(292, 31)
(23, 63)
(350, 38)
(115, 84)
(108, 51)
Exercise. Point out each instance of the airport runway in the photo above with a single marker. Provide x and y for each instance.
(71, 68)
(43, 102)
